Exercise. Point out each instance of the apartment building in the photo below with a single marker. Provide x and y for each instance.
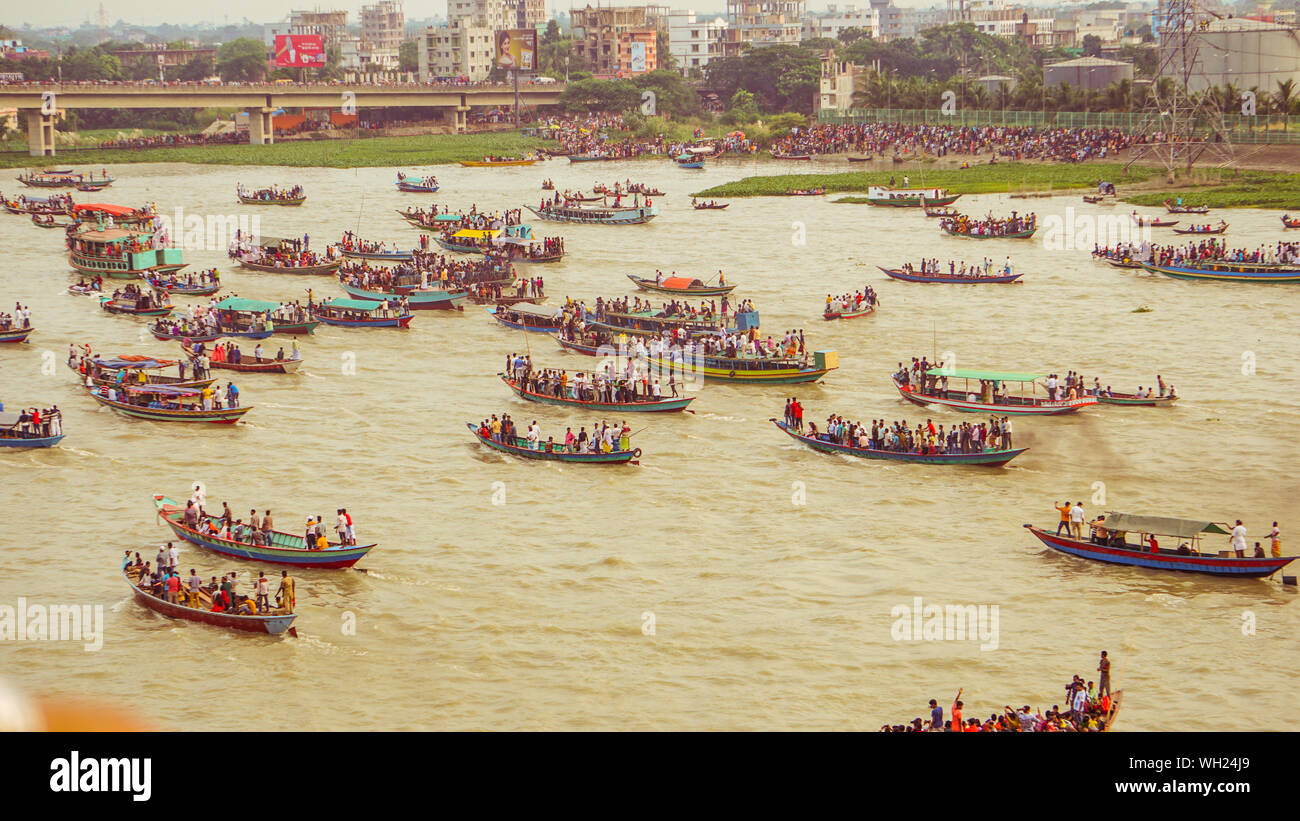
(614, 41)
(694, 41)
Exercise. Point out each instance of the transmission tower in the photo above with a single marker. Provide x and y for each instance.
(1182, 109)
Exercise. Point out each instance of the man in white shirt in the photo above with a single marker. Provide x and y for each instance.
(1076, 520)
(1239, 539)
(1051, 388)
(173, 557)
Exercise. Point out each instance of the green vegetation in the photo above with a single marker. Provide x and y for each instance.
(979, 179)
(1218, 188)
(343, 153)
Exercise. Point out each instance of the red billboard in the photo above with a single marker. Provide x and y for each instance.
(299, 51)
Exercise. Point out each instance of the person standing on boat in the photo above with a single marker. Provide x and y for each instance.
(1076, 520)
(1103, 667)
(1275, 539)
(1239, 539)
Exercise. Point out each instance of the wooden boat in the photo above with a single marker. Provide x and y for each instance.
(192, 413)
(165, 334)
(47, 221)
(913, 276)
(252, 364)
(821, 442)
(681, 286)
(133, 307)
(358, 313)
(1174, 208)
(497, 163)
(983, 400)
(1288, 222)
(92, 187)
(380, 256)
(120, 253)
(404, 184)
(520, 448)
(285, 548)
(505, 299)
(710, 206)
(276, 622)
(1219, 229)
(623, 215)
(1228, 271)
(324, 268)
(737, 370)
(1187, 532)
(867, 158)
(64, 178)
(1154, 222)
(527, 317)
(689, 161)
(931, 211)
(130, 368)
(240, 313)
(417, 298)
(12, 437)
(85, 289)
(910, 197)
(16, 334)
(646, 406)
(123, 215)
(849, 313)
(777, 156)
(1026, 234)
(805, 192)
(1121, 263)
(651, 322)
(1134, 400)
(175, 286)
(272, 198)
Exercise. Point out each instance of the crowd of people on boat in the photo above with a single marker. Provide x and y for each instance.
(281, 256)
(18, 319)
(358, 245)
(678, 349)
(709, 311)
(132, 297)
(972, 270)
(1088, 709)
(918, 376)
(119, 248)
(430, 182)
(230, 352)
(188, 281)
(604, 437)
(1206, 250)
(524, 289)
(273, 194)
(900, 437)
(472, 219)
(34, 423)
(426, 270)
(856, 301)
(53, 204)
(632, 385)
(991, 226)
(163, 580)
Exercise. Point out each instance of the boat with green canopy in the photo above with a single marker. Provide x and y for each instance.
(237, 312)
(986, 392)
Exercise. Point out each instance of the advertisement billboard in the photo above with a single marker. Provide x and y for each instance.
(636, 64)
(516, 49)
(299, 51)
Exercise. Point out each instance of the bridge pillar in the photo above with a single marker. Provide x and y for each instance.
(40, 133)
(261, 128)
(462, 119)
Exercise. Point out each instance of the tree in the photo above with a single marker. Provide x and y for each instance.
(552, 32)
(200, 68)
(408, 55)
(664, 55)
(1091, 45)
(242, 60)
(90, 64)
(743, 108)
(674, 97)
(853, 34)
(613, 96)
(1284, 99)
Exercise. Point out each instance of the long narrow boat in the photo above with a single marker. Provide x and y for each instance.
(358, 313)
(681, 286)
(133, 307)
(327, 267)
(736, 370)
(1290, 222)
(525, 316)
(1228, 271)
(170, 285)
(1188, 557)
(1133, 400)
(424, 185)
(710, 206)
(622, 215)
(913, 276)
(417, 299)
(1174, 208)
(239, 312)
(520, 448)
(285, 548)
(686, 161)
(166, 334)
(378, 256)
(986, 401)
(993, 458)
(273, 198)
(12, 437)
(497, 163)
(645, 406)
(195, 413)
(131, 368)
(1214, 229)
(16, 334)
(1153, 222)
(276, 622)
(1026, 234)
(253, 366)
(848, 313)
(941, 211)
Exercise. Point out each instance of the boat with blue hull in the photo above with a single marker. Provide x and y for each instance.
(821, 442)
(524, 316)
(417, 299)
(1228, 271)
(642, 405)
(12, 436)
(520, 448)
(1116, 549)
(285, 548)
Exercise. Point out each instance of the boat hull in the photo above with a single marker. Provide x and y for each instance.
(613, 458)
(830, 315)
(1241, 274)
(416, 300)
(723, 370)
(34, 442)
(995, 458)
(1014, 235)
(900, 274)
(709, 290)
(270, 366)
(255, 201)
(224, 416)
(16, 334)
(1165, 559)
(661, 406)
(629, 216)
(1042, 408)
(272, 625)
(327, 268)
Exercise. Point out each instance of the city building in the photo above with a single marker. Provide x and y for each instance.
(332, 26)
(1035, 25)
(383, 25)
(836, 20)
(1091, 73)
(15, 50)
(838, 80)
(617, 41)
(1241, 51)
(155, 54)
(693, 41)
(755, 23)
(465, 46)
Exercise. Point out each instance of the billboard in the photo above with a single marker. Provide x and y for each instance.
(299, 50)
(516, 49)
(637, 63)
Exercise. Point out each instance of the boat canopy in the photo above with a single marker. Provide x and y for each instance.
(104, 207)
(448, 218)
(162, 390)
(994, 376)
(681, 282)
(535, 310)
(144, 363)
(1161, 525)
(520, 241)
(242, 305)
(476, 233)
(9, 418)
(366, 305)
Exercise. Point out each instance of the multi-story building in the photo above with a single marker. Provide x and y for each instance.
(753, 23)
(835, 89)
(1035, 25)
(835, 21)
(154, 54)
(465, 46)
(383, 25)
(618, 40)
(693, 41)
(332, 26)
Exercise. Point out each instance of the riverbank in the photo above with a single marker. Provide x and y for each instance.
(1137, 185)
(364, 152)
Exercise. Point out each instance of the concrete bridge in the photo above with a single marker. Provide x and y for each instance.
(40, 103)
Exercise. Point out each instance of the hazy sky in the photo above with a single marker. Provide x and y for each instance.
(151, 12)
